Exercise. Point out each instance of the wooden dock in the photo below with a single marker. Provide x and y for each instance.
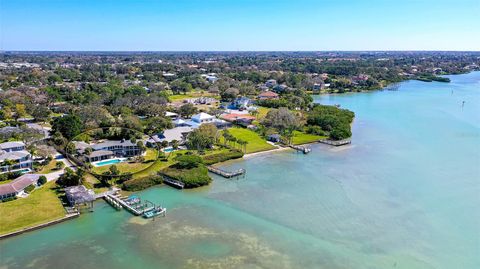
(226, 174)
(335, 143)
(173, 182)
(304, 150)
(137, 207)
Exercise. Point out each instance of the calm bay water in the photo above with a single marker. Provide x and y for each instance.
(405, 194)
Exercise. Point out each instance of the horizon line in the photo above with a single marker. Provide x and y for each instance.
(433, 50)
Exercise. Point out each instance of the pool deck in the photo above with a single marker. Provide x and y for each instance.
(105, 162)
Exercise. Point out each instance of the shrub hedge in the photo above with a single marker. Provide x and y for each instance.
(222, 156)
(192, 178)
(142, 183)
(29, 188)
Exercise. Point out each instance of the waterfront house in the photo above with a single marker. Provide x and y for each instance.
(14, 157)
(81, 146)
(268, 95)
(12, 146)
(107, 149)
(17, 186)
(178, 134)
(121, 148)
(99, 155)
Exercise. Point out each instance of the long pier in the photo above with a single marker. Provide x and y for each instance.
(335, 143)
(302, 149)
(226, 174)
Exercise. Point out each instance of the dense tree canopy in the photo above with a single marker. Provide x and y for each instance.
(69, 126)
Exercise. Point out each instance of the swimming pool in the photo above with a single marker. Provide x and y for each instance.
(108, 162)
(23, 171)
(168, 150)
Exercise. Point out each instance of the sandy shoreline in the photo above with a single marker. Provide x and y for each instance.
(266, 151)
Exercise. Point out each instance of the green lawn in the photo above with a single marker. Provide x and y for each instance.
(158, 165)
(255, 142)
(50, 167)
(131, 167)
(39, 207)
(262, 112)
(303, 138)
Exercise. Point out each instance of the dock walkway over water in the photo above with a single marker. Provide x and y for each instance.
(135, 205)
(304, 150)
(226, 174)
(335, 143)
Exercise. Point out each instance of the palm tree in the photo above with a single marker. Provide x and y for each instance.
(240, 143)
(245, 143)
(233, 139)
(163, 144)
(175, 144)
(9, 163)
(32, 150)
(226, 135)
(288, 134)
(88, 151)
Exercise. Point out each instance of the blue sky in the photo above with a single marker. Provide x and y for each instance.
(178, 25)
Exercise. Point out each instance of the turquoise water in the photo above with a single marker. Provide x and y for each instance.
(103, 163)
(405, 194)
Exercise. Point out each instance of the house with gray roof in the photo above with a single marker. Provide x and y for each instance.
(121, 148)
(99, 155)
(14, 157)
(12, 146)
(107, 149)
(178, 133)
(77, 195)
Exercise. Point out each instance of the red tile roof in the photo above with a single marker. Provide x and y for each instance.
(268, 94)
(234, 116)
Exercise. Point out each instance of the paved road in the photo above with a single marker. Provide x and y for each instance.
(56, 174)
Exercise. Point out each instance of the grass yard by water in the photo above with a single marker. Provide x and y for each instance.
(41, 206)
(255, 142)
(300, 138)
